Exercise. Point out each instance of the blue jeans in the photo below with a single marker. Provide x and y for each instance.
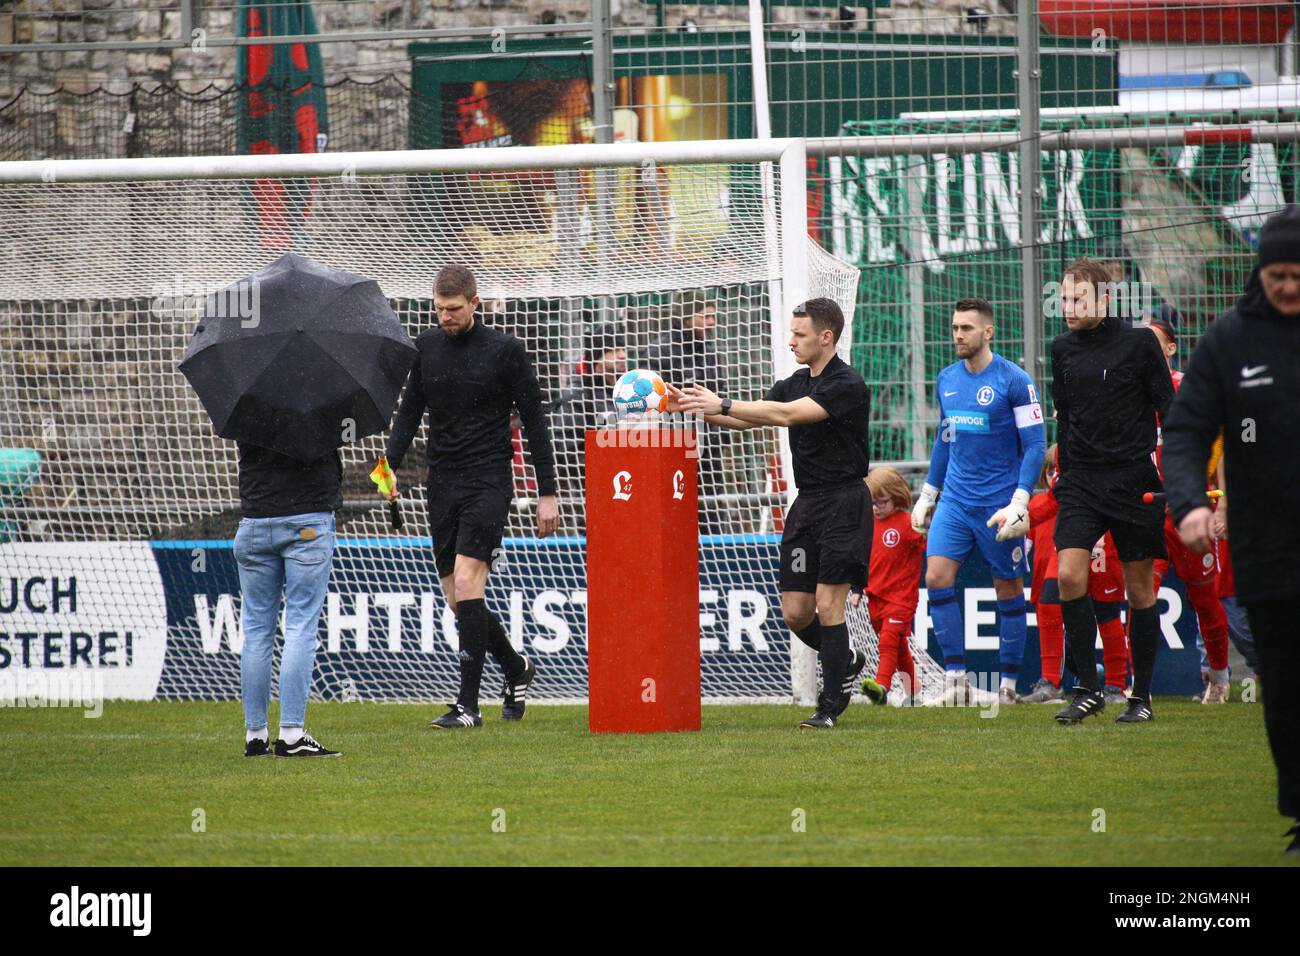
(290, 556)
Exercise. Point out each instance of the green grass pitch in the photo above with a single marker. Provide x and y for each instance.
(886, 787)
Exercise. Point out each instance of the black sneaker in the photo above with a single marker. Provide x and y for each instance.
(456, 718)
(257, 747)
(818, 721)
(1137, 712)
(1294, 848)
(856, 665)
(1044, 692)
(513, 691)
(855, 668)
(1085, 704)
(306, 746)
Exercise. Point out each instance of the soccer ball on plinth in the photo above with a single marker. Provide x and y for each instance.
(639, 396)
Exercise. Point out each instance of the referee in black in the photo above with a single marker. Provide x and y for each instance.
(1109, 382)
(1244, 378)
(467, 378)
(826, 544)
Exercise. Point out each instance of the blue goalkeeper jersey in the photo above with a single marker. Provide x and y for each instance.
(991, 439)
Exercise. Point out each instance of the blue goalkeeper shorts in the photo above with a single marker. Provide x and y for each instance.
(957, 529)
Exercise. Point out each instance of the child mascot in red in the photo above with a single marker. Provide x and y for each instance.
(893, 582)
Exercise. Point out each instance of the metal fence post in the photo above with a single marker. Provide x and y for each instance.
(1028, 84)
(602, 106)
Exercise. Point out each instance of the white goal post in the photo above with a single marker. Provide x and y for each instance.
(112, 474)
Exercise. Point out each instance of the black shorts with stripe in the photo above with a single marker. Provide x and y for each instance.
(827, 538)
(1094, 501)
(467, 515)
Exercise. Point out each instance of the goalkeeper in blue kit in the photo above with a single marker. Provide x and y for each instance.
(986, 459)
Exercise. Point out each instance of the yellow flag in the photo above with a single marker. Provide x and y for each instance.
(1216, 453)
(382, 476)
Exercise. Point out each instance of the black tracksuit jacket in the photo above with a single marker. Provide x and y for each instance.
(1244, 378)
(273, 485)
(468, 383)
(1108, 385)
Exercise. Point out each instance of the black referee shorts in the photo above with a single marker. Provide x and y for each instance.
(827, 538)
(467, 516)
(1094, 501)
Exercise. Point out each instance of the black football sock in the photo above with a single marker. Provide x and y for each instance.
(1080, 640)
(1068, 664)
(835, 656)
(499, 646)
(1144, 637)
(472, 625)
(812, 634)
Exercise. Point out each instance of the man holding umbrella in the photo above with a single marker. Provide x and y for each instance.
(467, 377)
(319, 363)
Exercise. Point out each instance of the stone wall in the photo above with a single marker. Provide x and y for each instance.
(99, 20)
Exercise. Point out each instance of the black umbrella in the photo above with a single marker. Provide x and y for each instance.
(299, 358)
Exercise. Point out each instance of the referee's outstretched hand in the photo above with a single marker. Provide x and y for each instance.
(675, 396)
(698, 400)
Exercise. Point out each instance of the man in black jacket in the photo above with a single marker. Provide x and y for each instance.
(1109, 382)
(1244, 380)
(467, 378)
(284, 547)
(588, 404)
(686, 355)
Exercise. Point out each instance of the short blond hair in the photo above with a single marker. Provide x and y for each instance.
(886, 482)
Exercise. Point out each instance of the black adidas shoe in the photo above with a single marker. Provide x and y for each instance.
(1138, 711)
(305, 746)
(1085, 704)
(856, 665)
(513, 691)
(1294, 848)
(257, 747)
(456, 718)
(818, 721)
(855, 668)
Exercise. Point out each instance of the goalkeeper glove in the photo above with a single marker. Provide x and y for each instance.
(924, 505)
(1013, 520)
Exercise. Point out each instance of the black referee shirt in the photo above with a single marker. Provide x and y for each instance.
(468, 383)
(1108, 384)
(834, 451)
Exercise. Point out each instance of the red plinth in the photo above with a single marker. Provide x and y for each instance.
(643, 583)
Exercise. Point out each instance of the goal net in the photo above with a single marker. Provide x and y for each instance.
(118, 504)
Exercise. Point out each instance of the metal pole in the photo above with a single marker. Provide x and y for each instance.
(394, 162)
(786, 293)
(1295, 38)
(176, 43)
(187, 20)
(758, 68)
(1028, 81)
(602, 107)
(912, 193)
